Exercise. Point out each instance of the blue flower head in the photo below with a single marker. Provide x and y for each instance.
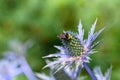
(15, 63)
(75, 50)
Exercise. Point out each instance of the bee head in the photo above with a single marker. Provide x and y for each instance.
(65, 36)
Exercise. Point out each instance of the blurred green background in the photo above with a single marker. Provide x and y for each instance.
(42, 20)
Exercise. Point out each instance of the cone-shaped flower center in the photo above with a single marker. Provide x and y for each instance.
(72, 43)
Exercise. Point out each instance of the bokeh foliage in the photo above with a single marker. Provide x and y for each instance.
(42, 20)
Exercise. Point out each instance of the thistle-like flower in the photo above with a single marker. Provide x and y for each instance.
(75, 51)
(15, 62)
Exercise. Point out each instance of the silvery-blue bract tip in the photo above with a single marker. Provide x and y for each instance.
(100, 76)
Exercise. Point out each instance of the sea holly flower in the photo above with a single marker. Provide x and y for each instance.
(20, 50)
(75, 51)
(100, 76)
(15, 63)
